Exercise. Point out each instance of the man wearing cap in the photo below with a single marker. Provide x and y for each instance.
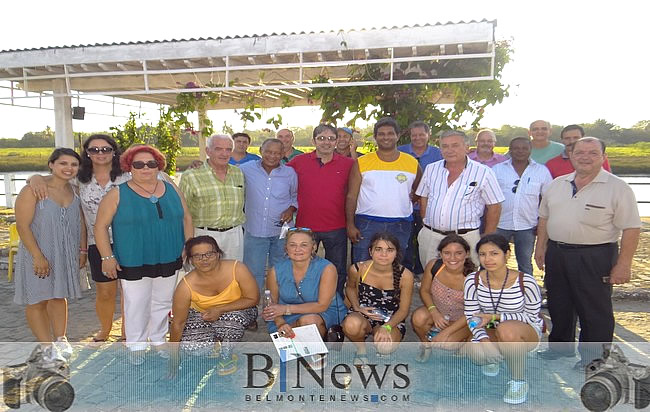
(214, 192)
(544, 149)
(453, 194)
(288, 151)
(561, 165)
(425, 154)
(581, 219)
(345, 144)
(322, 187)
(486, 140)
(380, 191)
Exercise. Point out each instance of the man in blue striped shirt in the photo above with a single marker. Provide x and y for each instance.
(453, 193)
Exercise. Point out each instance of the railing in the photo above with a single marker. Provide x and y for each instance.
(10, 188)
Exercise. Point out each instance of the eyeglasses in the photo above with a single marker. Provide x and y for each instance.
(151, 164)
(98, 150)
(204, 256)
(328, 138)
(516, 185)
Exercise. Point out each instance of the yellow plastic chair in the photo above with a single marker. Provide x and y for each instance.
(14, 239)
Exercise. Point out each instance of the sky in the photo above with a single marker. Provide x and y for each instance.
(573, 62)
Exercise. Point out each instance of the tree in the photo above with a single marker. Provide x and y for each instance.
(410, 102)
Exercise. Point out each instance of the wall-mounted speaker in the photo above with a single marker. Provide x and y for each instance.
(78, 112)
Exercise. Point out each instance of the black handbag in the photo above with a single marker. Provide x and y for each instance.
(335, 335)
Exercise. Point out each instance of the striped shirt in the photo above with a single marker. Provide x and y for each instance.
(386, 186)
(522, 194)
(513, 305)
(213, 203)
(459, 206)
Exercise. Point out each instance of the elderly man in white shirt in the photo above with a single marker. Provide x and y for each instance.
(522, 181)
(453, 195)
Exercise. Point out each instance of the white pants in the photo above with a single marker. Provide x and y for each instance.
(147, 303)
(429, 241)
(231, 241)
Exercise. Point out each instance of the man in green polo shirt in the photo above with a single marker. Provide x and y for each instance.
(288, 151)
(215, 197)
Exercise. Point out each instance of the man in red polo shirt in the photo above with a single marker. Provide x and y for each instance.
(561, 165)
(322, 187)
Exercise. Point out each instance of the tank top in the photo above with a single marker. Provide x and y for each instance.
(448, 301)
(231, 293)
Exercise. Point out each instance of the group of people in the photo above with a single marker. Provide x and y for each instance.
(246, 224)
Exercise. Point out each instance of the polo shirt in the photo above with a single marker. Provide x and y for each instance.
(459, 206)
(322, 188)
(267, 196)
(430, 155)
(495, 159)
(596, 214)
(248, 158)
(293, 154)
(213, 203)
(545, 154)
(519, 209)
(561, 165)
(386, 186)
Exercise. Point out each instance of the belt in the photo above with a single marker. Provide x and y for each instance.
(563, 245)
(449, 232)
(216, 229)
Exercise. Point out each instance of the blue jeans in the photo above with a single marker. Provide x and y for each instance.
(524, 245)
(400, 229)
(259, 250)
(335, 243)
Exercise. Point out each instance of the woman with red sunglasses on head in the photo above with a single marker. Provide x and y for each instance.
(150, 224)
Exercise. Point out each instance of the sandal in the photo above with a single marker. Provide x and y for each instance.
(98, 340)
(227, 366)
(424, 354)
(360, 360)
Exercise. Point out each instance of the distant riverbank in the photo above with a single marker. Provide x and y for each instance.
(625, 160)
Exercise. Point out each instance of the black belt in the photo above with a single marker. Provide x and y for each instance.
(563, 245)
(449, 232)
(216, 229)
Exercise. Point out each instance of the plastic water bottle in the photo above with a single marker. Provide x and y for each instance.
(435, 330)
(268, 300)
(382, 313)
(473, 322)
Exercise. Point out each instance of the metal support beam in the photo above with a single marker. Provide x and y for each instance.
(63, 133)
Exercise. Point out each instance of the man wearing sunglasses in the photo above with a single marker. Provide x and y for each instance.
(214, 193)
(322, 186)
(522, 181)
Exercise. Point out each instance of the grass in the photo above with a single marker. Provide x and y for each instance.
(625, 160)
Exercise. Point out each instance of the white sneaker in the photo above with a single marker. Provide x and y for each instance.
(63, 346)
(491, 369)
(516, 392)
(52, 355)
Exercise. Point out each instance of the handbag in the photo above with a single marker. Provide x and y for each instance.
(335, 333)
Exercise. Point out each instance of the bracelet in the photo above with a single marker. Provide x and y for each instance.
(108, 257)
(287, 310)
(494, 318)
(387, 327)
(431, 307)
(83, 252)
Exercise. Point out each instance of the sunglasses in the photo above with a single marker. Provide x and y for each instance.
(516, 185)
(204, 256)
(98, 150)
(328, 138)
(300, 229)
(151, 164)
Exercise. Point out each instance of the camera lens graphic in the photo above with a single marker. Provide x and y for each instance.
(601, 392)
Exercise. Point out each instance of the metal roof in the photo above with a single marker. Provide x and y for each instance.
(271, 68)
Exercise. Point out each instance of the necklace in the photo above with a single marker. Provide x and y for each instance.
(152, 198)
(487, 278)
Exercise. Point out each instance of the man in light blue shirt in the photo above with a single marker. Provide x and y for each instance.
(425, 154)
(271, 200)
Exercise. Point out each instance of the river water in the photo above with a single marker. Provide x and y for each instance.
(640, 185)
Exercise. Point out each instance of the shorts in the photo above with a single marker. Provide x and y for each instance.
(95, 261)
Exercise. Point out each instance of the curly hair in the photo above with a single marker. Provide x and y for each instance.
(126, 160)
(86, 166)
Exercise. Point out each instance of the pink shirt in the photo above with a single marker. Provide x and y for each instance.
(496, 158)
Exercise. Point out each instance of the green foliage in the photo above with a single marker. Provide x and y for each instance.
(130, 133)
(187, 103)
(406, 103)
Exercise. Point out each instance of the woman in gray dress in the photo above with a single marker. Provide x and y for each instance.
(51, 251)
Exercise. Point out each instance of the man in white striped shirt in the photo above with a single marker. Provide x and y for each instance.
(522, 181)
(453, 194)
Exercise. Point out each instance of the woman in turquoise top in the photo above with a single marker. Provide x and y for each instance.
(150, 224)
(304, 287)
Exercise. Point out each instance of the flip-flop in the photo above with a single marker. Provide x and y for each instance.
(97, 340)
(424, 354)
(227, 367)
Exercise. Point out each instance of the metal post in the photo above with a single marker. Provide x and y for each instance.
(10, 188)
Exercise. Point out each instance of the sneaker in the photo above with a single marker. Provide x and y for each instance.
(52, 355)
(227, 366)
(516, 392)
(491, 369)
(63, 346)
(136, 357)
